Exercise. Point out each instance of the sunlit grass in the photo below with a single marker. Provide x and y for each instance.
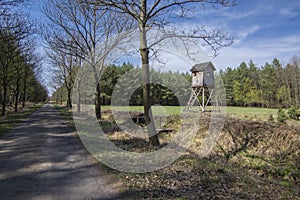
(157, 110)
(251, 113)
(247, 113)
(237, 112)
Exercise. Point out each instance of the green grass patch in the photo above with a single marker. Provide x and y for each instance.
(251, 113)
(157, 110)
(286, 184)
(245, 113)
(11, 119)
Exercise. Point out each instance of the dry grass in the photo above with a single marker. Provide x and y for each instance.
(253, 160)
(268, 150)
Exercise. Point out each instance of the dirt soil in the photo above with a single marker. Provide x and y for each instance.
(43, 159)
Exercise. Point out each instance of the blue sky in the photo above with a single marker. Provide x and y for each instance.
(262, 30)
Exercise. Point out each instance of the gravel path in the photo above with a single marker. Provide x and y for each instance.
(42, 159)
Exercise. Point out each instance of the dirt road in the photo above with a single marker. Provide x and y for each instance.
(41, 159)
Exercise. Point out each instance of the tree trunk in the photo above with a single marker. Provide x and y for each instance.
(144, 51)
(98, 102)
(289, 89)
(4, 99)
(57, 97)
(24, 90)
(69, 101)
(24, 96)
(17, 94)
(78, 96)
(61, 97)
(16, 100)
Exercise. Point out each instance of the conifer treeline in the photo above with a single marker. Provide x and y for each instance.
(273, 85)
(160, 94)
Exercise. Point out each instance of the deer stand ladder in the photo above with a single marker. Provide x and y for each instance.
(196, 91)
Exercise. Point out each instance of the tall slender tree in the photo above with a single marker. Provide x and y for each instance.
(90, 27)
(15, 30)
(158, 14)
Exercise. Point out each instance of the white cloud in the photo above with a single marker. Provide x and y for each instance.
(232, 57)
(244, 33)
(262, 51)
(288, 12)
(239, 15)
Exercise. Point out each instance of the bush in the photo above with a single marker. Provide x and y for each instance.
(270, 118)
(282, 117)
(294, 113)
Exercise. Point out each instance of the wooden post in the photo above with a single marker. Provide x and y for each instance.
(203, 99)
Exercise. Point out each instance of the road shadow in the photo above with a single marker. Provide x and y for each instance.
(42, 158)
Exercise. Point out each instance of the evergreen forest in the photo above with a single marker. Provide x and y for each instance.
(274, 85)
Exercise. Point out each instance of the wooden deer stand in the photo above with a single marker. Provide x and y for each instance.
(202, 81)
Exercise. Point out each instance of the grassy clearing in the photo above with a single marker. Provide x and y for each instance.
(246, 113)
(11, 119)
(157, 110)
(251, 113)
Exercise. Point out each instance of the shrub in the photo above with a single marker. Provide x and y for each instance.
(294, 113)
(282, 117)
(271, 118)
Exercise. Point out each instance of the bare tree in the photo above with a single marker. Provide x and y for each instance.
(15, 86)
(56, 83)
(158, 14)
(7, 5)
(25, 61)
(13, 32)
(66, 62)
(32, 63)
(89, 26)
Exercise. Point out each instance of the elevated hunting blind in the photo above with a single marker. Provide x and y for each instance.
(202, 79)
(203, 75)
